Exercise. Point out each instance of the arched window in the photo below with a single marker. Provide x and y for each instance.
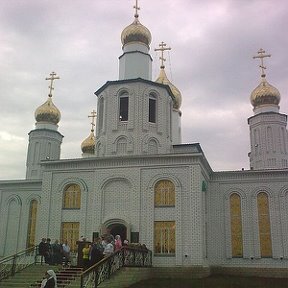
(236, 225)
(264, 225)
(123, 106)
(32, 223)
(152, 147)
(121, 146)
(100, 114)
(164, 237)
(152, 108)
(72, 197)
(164, 193)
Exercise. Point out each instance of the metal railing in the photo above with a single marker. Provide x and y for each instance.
(126, 257)
(17, 262)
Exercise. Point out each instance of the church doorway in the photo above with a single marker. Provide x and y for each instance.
(118, 229)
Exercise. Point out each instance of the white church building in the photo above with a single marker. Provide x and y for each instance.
(136, 178)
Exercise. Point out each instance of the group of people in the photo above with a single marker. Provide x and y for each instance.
(101, 247)
(55, 253)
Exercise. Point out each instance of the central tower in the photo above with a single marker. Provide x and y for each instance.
(134, 114)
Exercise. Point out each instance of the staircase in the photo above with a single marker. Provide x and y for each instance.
(33, 275)
(27, 276)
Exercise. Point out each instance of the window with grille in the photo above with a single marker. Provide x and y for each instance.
(164, 237)
(264, 225)
(164, 193)
(236, 225)
(70, 232)
(72, 197)
(32, 223)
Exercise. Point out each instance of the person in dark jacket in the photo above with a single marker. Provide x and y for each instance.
(96, 253)
(44, 250)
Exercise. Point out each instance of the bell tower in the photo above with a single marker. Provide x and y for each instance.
(45, 140)
(268, 133)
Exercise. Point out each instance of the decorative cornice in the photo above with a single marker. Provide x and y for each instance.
(137, 80)
(250, 175)
(127, 162)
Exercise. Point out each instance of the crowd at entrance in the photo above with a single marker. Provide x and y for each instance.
(104, 246)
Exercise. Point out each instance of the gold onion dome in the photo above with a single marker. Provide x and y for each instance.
(88, 145)
(136, 32)
(162, 78)
(48, 112)
(265, 94)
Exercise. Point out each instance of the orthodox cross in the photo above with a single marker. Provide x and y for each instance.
(261, 56)
(93, 116)
(136, 9)
(51, 78)
(162, 48)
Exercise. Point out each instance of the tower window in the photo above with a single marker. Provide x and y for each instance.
(152, 108)
(123, 111)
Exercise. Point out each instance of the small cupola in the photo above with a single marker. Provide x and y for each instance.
(48, 112)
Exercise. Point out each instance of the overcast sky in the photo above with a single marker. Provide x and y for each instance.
(211, 63)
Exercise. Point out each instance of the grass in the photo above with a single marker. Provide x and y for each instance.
(214, 282)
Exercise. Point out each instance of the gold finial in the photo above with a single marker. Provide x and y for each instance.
(136, 15)
(51, 78)
(162, 48)
(261, 56)
(93, 116)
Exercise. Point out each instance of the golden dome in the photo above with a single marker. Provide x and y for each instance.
(265, 94)
(48, 112)
(136, 32)
(162, 78)
(88, 145)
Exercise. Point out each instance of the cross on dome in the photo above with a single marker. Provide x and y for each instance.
(51, 78)
(93, 116)
(261, 56)
(162, 48)
(136, 15)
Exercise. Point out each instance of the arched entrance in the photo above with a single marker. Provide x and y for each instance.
(118, 229)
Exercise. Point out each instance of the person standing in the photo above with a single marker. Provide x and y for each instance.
(66, 253)
(57, 252)
(85, 256)
(44, 250)
(50, 252)
(109, 249)
(96, 253)
(118, 243)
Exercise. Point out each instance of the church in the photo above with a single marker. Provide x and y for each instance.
(137, 179)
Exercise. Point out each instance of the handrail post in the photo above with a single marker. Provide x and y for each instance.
(96, 277)
(13, 269)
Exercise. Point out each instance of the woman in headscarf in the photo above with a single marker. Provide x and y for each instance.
(50, 280)
(118, 242)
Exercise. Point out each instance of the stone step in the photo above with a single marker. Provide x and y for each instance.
(33, 275)
(27, 276)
